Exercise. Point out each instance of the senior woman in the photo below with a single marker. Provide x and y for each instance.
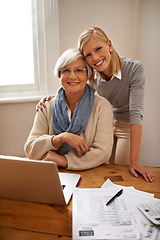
(75, 129)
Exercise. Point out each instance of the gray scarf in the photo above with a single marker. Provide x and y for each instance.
(79, 119)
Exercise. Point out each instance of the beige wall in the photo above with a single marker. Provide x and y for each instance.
(16, 120)
(148, 52)
(133, 26)
(116, 18)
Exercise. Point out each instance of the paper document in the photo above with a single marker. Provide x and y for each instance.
(120, 219)
(133, 197)
(92, 219)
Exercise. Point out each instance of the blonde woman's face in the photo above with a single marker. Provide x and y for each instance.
(98, 54)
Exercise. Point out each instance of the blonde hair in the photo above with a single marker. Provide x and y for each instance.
(116, 62)
(68, 57)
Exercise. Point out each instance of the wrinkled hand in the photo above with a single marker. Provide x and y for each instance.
(146, 173)
(78, 142)
(41, 104)
(55, 157)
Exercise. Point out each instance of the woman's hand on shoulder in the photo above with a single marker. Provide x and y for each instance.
(146, 173)
(41, 104)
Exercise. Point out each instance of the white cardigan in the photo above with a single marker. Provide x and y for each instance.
(98, 133)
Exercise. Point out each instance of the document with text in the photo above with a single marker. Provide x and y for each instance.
(133, 197)
(93, 219)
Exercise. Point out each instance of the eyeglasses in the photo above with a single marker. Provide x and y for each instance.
(78, 71)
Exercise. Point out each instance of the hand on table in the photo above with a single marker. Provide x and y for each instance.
(146, 173)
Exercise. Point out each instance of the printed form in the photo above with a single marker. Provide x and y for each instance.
(133, 197)
(93, 219)
(121, 219)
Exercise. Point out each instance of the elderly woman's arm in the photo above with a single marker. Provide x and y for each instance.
(41, 138)
(99, 134)
(42, 144)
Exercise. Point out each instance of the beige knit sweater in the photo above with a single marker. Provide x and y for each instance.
(98, 133)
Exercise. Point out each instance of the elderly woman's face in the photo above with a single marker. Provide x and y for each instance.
(74, 78)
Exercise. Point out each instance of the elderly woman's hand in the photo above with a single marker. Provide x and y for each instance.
(78, 142)
(58, 159)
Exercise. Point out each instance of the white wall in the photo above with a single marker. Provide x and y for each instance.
(133, 27)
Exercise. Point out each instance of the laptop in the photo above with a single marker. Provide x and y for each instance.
(35, 181)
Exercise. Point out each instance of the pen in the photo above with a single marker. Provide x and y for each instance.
(116, 195)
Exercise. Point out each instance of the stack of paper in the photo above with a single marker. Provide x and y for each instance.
(121, 219)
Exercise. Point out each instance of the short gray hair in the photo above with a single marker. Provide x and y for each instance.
(68, 57)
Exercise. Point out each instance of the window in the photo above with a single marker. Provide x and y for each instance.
(29, 48)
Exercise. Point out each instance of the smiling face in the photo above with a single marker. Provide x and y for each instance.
(98, 54)
(74, 81)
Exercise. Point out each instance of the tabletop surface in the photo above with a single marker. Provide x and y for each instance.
(24, 220)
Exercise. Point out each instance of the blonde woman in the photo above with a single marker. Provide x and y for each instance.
(121, 81)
